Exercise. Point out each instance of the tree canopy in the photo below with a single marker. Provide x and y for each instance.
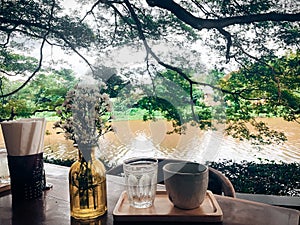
(251, 34)
(45, 92)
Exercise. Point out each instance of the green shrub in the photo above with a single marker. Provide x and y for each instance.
(266, 177)
(262, 178)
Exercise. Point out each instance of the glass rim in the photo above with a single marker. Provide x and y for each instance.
(140, 159)
(130, 161)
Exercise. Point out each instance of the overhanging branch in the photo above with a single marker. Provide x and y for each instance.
(220, 23)
(176, 69)
(200, 23)
(41, 56)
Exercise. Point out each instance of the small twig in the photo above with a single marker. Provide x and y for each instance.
(91, 10)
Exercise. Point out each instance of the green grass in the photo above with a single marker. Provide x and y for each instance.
(50, 116)
(129, 114)
(134, 114)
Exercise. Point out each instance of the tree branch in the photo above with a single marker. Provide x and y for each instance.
(200, 23)
(91, 10)
(41, 56)
(220, 23)
(8, 74)
(227, 35)
(28, 28)
(176, 69)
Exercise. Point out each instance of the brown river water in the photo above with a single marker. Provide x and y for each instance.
(138, 138)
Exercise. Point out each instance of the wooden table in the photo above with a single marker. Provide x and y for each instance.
(53, 207)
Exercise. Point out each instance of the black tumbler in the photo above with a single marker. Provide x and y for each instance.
(27, 176)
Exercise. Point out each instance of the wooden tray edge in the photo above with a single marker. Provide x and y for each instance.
(215, 217)
(4, 189)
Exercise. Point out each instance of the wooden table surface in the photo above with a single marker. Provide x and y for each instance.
(53, 208)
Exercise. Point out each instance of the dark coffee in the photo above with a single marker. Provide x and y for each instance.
(27, 176)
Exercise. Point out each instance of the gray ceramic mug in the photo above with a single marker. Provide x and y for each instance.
(186, 183)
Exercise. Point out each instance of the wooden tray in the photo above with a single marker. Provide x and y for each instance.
(4, 188)
(163, 210)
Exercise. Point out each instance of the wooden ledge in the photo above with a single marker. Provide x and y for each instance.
(284, 201)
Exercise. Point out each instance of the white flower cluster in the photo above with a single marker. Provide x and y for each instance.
(88, 108)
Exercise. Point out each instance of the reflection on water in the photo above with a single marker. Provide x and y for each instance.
(137, 138)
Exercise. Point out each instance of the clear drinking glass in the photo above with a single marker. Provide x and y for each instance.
(141, 181)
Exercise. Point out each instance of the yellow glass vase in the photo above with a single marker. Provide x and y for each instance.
(87, 185)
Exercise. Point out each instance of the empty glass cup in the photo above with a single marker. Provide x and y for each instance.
(141, 181)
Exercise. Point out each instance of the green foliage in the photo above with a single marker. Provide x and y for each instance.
(155, 24)
(266, 177)
(153, 104)
(16, 64)
(61, 162)
(267, 88)
(49, 90)
(272, 80)
(255, 131)
(171, 99)
(35, 18)
(238, 30)
(43, 93)
(13, 106)
(290, 34)
(255, 6)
